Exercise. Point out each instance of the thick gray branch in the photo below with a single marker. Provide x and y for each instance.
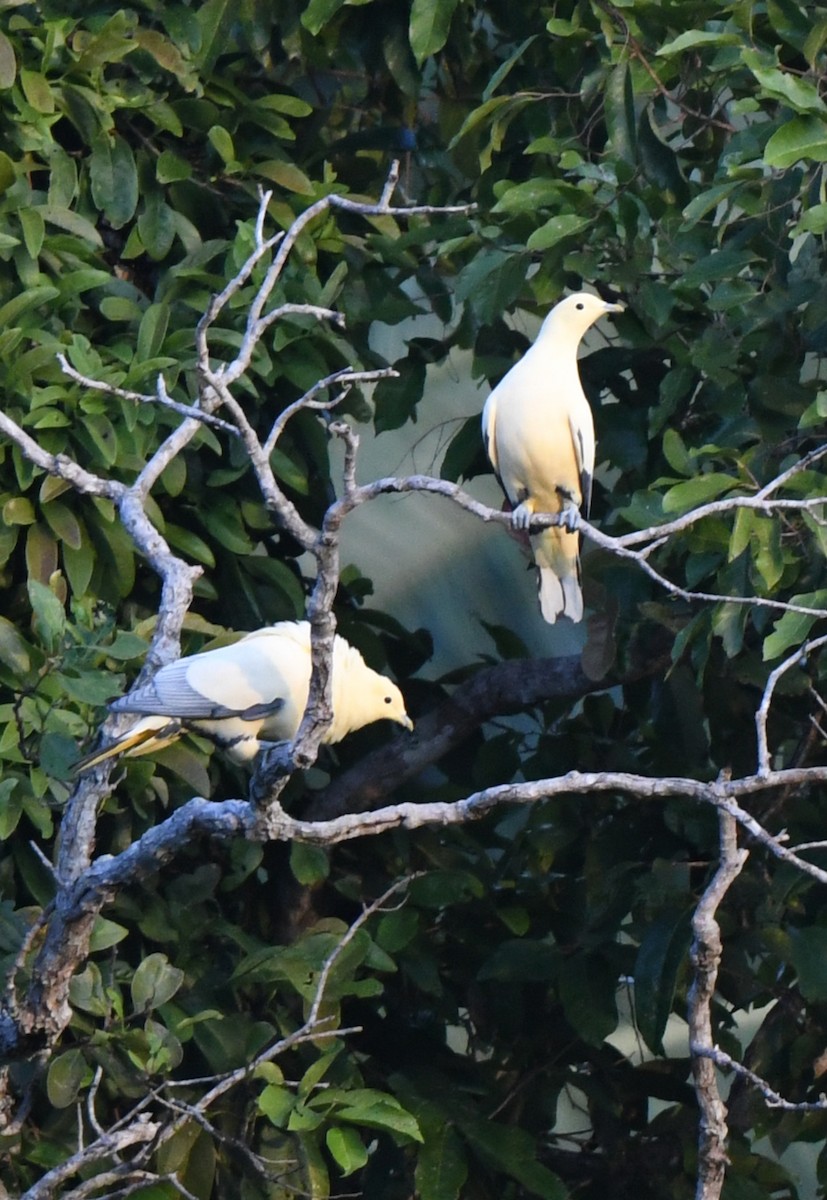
(705, 956)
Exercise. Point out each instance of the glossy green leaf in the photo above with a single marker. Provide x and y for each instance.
(800, 138)
(799, 93)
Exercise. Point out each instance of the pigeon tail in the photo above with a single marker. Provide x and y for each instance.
(558, 575)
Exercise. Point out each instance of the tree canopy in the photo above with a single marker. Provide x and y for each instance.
(459, 965)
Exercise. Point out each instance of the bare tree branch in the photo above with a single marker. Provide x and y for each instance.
(705, 956)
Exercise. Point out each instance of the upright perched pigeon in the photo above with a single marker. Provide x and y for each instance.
(251, 692)
(539, 436)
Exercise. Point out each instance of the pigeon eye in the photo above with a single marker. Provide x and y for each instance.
(389, 700)
(581, 305)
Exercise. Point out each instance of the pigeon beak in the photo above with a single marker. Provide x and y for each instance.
(615, 307)
(407, 723)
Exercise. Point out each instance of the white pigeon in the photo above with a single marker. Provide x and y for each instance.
(251, 692)
(539, 436)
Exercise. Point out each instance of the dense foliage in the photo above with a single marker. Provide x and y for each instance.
(669, 154)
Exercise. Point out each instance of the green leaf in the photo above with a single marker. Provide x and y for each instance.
(741, 532)
(792, 628)
(693, 38)
(34, 230)
(222, 142)
(72, 222)
(676, 453)
(86, 991)
(19, 511)
(106, 934)
(167, 55)
(318, 12)
(430, 22)
(11, 808)
(14, 650)
(441, 889)
(66, 1075)
(397, 929)
(797, 92)
(809, 959)
(79, 565)
(522, 960)
(8, 175)
(156, 226)
(556, 229)
(32, 298)
(174, 1153)
(37, 91)
(376, 1110)
(527, 197)
(152, 331)
(395, 400)
(8, 63)
(277, 1103)
(154, 983)
(767, 552)
(309, 864)
(170, 168)
(800, 138)
(114, 178)
(695, 492)
(441, 1166)
(621, 122)
(347, 1149)
(63, 523)
(48, 614)
(660, 957)
(215, 19)
(120, 308)
(586, 985)
(513, 1151)
(287, 175)
(506, 67)
(492, 281)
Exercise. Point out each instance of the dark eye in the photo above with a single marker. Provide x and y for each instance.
(580, 305)
(389, 699)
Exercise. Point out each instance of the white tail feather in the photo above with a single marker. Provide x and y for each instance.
(559, 597)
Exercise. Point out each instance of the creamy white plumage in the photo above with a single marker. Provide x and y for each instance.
(539, 436)
(251, 692)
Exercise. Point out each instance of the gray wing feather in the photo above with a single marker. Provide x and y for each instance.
(170, 694)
